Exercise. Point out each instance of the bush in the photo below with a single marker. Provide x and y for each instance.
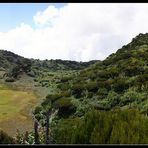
(102, 92)
(90, 95)
(91, 86)
(66, 108)
(103, 105)
(31, 73)
(65, 79)
(77, 90)
(5, 139)
(63, 86)
(132, 96)
(120, 85)
(10, 79)
(37, 109)
(113, 98)
(66, 94)
(103, 127)
(53, 97)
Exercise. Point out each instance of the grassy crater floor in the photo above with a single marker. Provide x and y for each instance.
(15, 110)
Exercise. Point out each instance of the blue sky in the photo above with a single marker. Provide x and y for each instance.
(13, 14)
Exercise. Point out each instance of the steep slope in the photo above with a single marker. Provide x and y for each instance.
(12, 65)
(9, 59)
(120, 81)
(121, 74)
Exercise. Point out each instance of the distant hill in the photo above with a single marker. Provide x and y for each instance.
(13, 65)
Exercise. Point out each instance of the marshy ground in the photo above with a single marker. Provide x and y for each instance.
(15, 109)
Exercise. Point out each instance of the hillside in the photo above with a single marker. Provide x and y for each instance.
(96, 102)
(12, 65)
(120, 82)
(23, 83)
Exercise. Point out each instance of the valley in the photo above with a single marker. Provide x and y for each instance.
(18, 100)
(96, 102)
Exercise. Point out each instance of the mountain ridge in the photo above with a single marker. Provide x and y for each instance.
(13, 63)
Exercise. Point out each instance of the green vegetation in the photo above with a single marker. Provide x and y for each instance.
(103, 127)
(120, 81)
(96, 102)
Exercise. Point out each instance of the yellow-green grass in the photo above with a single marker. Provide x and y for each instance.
(15, 109)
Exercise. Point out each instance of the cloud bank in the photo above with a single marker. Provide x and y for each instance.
(80, 32)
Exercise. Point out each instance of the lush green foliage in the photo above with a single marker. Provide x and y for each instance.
(120, 81)
(75, 89)
(101, 127)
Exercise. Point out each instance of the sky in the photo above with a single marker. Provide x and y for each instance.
(70, 31)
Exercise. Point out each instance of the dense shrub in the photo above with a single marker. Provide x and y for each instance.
(102, 92)
(53, 97)
(65, 79)
(65, 107)
(63, 86)
(132, 96)
(77, 90)
(92, 86)
(120, 85)
(113, 98)
(37, 109)
(103, 127)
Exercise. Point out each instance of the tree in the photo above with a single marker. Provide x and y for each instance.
(36, 135)
(48, 114)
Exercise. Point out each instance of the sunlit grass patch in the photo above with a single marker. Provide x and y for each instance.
(15, 104)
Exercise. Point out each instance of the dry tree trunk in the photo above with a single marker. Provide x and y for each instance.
(47, 126)
(36, 136)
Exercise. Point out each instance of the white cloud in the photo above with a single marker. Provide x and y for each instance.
(47, 16)
(79, 32)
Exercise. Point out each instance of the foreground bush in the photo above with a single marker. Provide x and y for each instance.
(103, 127)
(5, 139)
